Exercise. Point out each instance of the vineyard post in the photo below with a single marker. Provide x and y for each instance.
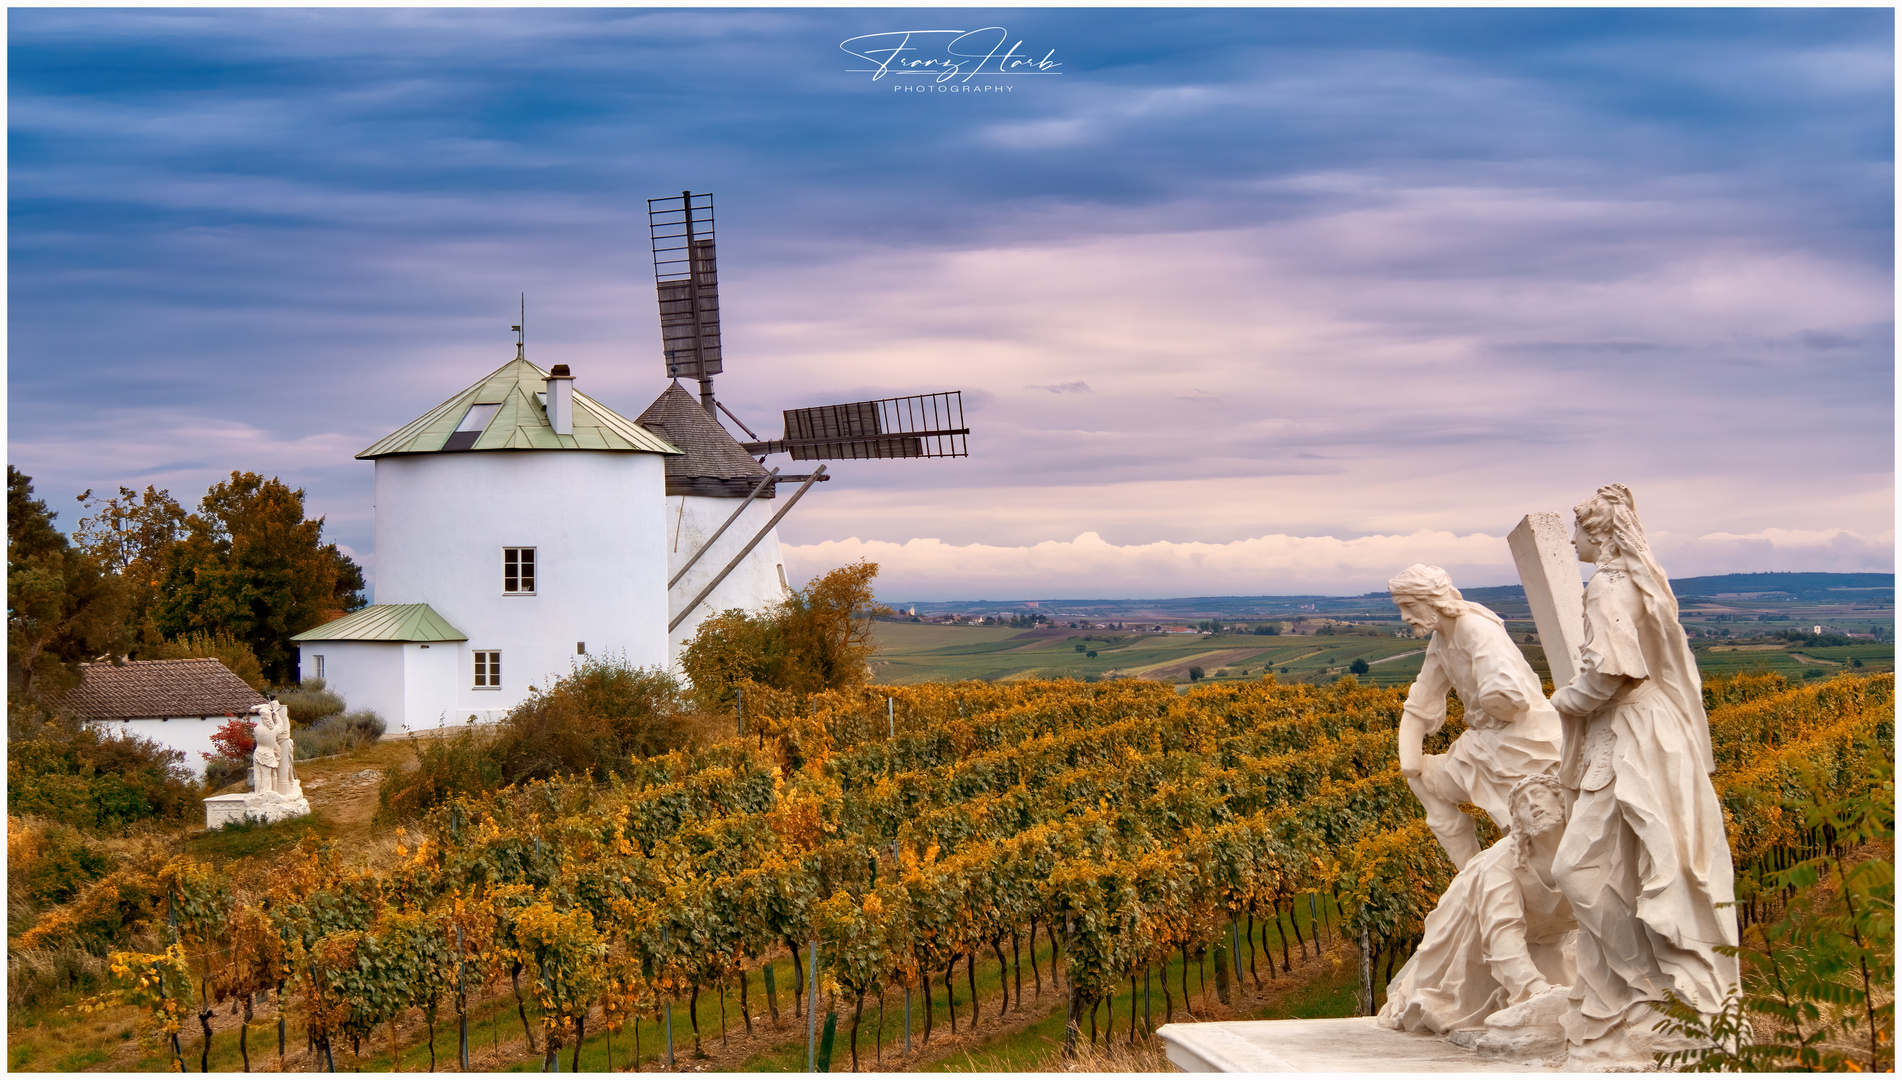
(739, 712)
(908, 1020)
(1366, 974)
(812, 1006)
(891, 723)
(1235, 950)
(462, 1008)
(1148, 1024)
(667, 1010)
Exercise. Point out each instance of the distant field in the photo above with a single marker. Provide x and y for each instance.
(915, 652)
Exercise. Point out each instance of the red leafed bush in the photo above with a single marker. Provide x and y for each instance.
(236, 739)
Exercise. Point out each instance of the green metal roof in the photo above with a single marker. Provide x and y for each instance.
(386, 622)
(520, 421)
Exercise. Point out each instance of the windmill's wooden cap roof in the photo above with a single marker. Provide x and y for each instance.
(713, 462)
(145, 689)
(386, 622)
(520, 421)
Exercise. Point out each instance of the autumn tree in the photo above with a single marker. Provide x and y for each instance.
(62, 606)
(251, 565)
(817, 639)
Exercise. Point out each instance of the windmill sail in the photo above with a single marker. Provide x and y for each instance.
(688, 282)
(918, 426)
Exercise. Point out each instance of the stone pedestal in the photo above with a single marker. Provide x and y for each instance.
(1351, 1045)
(257, 806)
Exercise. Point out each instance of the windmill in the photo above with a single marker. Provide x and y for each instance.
(719, 476)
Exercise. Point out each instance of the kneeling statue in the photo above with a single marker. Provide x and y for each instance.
(1500, 938)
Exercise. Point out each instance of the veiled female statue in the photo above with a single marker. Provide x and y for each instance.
(1644, 860)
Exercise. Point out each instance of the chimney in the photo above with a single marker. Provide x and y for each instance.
(561, 400)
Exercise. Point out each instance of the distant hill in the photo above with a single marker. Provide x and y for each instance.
(1797, 587)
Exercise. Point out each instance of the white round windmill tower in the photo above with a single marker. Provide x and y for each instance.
(519, 526)
(722, 543)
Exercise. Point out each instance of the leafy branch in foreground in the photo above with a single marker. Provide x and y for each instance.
(1818, 986)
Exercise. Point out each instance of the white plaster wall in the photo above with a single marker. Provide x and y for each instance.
(367, 674)
(596, 521)
(430, 685)
(189, 734)
(754, 584)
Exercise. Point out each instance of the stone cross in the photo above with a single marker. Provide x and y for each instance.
(1549, 569)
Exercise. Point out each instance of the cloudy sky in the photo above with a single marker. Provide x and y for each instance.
(1241, 301)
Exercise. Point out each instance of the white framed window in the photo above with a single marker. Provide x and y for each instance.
(320, 666)
(518, 571)
(488, 669)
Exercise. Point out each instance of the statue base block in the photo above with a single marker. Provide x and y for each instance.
(255, 806)
(1349, 1045)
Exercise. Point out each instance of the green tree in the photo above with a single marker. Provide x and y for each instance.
(1359, 666)
(62, 606)
(132, 535)
(252, 566)
(235, 655)
(1196, 674)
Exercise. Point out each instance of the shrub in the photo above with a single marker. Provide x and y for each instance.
(222, 772)
(335, 734)
(72, 773)
(48, 863)
(1196, 674)
(445, 768)
(365, 725)
(310, 702)
(235, 739)
(817, 640)
(1359, 666)
(594, 719)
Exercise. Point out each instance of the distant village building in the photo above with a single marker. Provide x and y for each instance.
(175, 703)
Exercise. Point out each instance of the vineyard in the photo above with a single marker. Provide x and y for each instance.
(902, 836)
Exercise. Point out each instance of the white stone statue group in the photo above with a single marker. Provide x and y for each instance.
(1611, 886)
(275, 793)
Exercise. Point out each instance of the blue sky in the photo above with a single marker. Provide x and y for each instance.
(1241, 300)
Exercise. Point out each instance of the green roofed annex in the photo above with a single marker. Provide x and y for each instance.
(386, 622)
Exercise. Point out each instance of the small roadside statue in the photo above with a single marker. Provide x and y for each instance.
(275, 793)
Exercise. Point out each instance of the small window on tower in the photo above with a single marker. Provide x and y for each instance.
(488, 670)
(518, 571)
(473, 421)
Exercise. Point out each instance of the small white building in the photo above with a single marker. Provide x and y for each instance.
(520, 525)
(710, 480)
(179, 704)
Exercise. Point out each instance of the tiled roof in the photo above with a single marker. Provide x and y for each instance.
(159, 688)
(520, 421)
(713, 463)
(386, 622)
